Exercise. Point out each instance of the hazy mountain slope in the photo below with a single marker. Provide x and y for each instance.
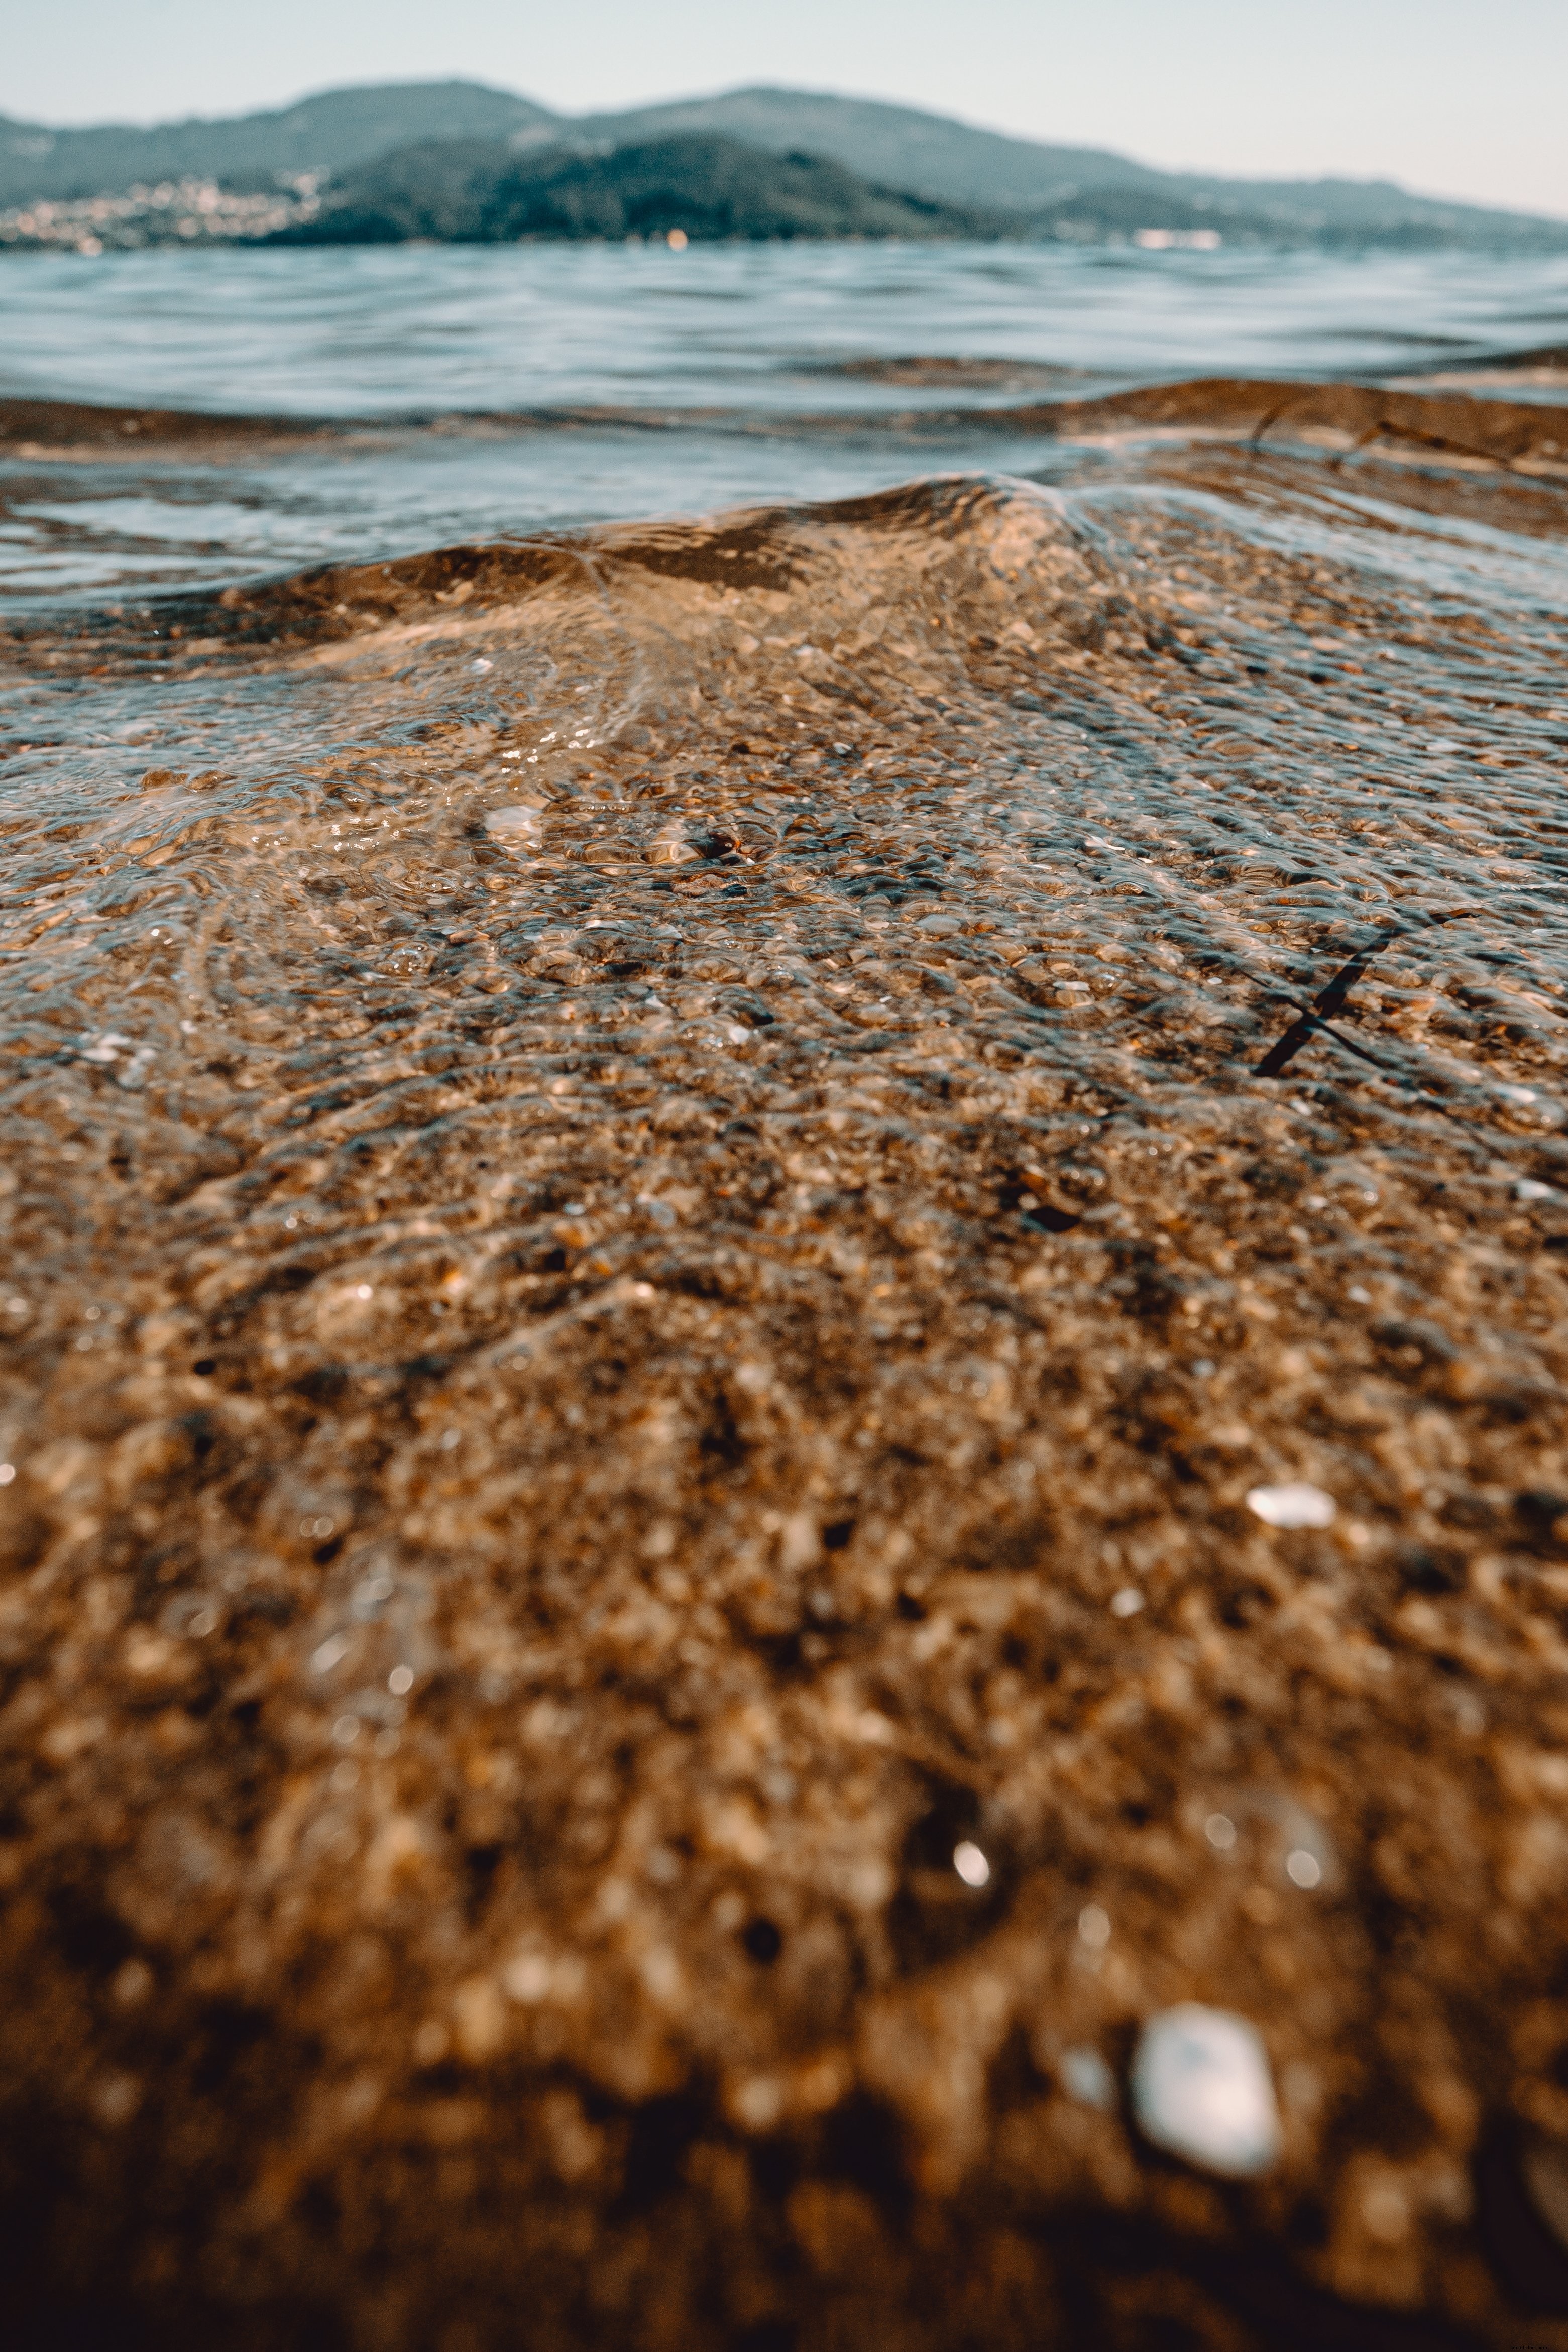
(1356, 208)
(934, 155)
(477, 192)
(1076, 191)
(330, 133)
(896, 146)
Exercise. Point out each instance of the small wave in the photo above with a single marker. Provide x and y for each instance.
(765, 548)
(1497, 428)
(940, 372)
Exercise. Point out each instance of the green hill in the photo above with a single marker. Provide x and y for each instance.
(328, 133)
(479, 191)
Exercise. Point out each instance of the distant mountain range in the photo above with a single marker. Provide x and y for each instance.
(261, 172)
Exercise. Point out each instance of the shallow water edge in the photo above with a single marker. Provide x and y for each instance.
(666, 1190)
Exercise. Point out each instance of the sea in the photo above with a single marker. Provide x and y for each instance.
(552, 387)
(784, 1069)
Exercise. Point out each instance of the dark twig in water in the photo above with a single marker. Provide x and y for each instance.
(1333, 998)
(1314, 1021)
(1329, 1000)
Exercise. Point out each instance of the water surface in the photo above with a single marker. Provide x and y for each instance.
(667, 1182)
(560, 386)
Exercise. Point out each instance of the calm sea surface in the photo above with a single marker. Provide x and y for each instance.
(641, 382)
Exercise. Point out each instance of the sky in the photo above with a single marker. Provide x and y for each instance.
(1447, 95)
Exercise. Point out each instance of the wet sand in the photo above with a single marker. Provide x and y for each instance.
(663, 1192)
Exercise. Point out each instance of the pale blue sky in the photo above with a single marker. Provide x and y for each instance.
(1449, 96)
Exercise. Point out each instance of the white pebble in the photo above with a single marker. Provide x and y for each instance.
(1294, 1505)
(1202, 2089)
(1126, 1602)
(971, 1865)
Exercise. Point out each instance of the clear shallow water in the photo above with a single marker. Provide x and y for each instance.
(664, 1187)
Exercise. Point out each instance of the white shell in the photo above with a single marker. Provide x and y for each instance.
(1296, 1505)
(1202, 2089)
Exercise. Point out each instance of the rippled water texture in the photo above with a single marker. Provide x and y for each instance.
(666, 1188)
(565, 387)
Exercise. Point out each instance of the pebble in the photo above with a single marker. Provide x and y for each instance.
(1086, 2077)
(1202, 2089)
(1544, 2164)
(971, 1865)
(517, 820)
(1094, 1927)
(1294, 1505)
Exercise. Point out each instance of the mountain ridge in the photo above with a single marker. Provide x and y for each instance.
(690, 186)
(928, 156)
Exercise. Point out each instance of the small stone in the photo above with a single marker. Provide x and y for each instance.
(971, 1865)
(528, 1979)
(1294, 1505)
(479, 2017)
(520, 821)
(1202, 2089)
(133, 1983)
(1086, 2077)
(116, 2099)
(1543, 2167)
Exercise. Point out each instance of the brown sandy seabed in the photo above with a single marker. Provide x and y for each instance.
(613, 1260)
